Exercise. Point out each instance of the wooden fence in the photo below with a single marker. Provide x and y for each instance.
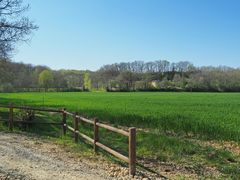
(131, 133)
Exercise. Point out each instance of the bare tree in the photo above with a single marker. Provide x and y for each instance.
(14, 26)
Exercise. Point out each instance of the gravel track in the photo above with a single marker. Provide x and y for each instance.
(23, 157)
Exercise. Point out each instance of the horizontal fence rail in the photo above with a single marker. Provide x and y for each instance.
(131, 133)
(31, 108)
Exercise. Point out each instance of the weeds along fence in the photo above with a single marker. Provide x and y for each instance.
(131, 133)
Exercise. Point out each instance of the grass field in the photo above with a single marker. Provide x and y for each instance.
(173, 126)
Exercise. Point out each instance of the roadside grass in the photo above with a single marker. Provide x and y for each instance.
(188, 153)
(168, 123)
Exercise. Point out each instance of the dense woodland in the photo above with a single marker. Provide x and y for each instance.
(135, 76)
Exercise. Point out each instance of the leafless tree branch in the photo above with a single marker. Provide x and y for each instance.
(14, 26)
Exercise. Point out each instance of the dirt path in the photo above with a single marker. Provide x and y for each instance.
(23, 157)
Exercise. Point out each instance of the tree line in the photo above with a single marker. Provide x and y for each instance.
(158, 75)
(17, 77)
(162, 75)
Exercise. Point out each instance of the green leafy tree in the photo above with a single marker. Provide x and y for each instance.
(45, 79)
(87, 81)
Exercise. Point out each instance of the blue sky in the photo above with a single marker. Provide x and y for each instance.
(86, 34)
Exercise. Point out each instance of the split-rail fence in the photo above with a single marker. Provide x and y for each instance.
(131, 133)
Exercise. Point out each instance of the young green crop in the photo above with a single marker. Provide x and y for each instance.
(209, 115)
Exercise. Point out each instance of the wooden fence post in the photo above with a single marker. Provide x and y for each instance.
(76, 128)
(64, 122)
(132, 151)
(96, 135)
(10, 123)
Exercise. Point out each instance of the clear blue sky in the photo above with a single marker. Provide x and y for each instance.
(86, 34)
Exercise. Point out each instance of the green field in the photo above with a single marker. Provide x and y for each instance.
(171, 125)
(210, 115)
